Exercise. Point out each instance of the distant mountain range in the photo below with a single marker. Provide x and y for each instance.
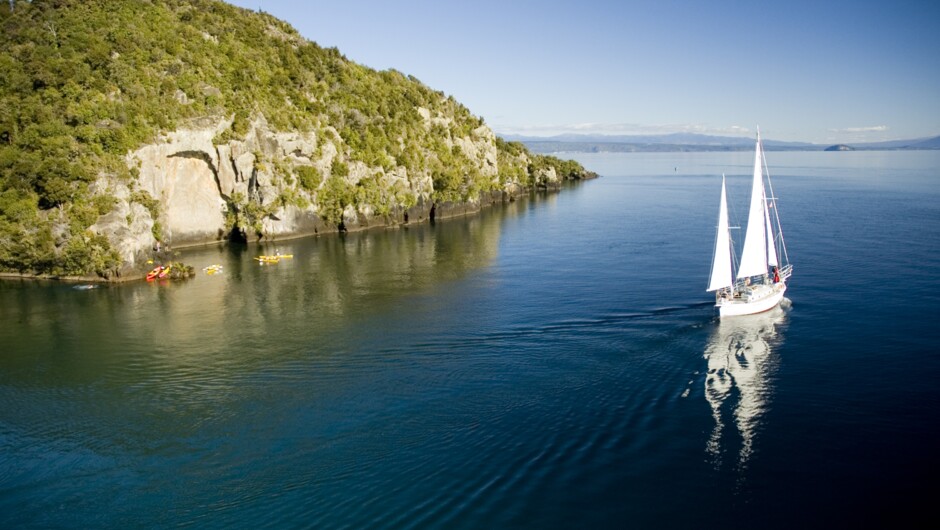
(691, 142)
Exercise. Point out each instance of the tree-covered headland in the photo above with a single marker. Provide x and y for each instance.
(83, 83)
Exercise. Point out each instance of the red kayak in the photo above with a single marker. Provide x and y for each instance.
(154, 273)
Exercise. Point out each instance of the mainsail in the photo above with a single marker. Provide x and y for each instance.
(721, 265)
(754, 255)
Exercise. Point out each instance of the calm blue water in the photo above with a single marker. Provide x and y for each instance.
(554, 363)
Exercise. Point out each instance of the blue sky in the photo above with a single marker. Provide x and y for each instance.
(818, 71)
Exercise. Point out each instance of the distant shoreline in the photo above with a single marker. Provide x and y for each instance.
(549, 147)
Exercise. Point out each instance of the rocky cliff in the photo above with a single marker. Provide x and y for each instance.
(248, 188)
(175, 123)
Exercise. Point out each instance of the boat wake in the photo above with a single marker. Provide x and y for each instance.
(612, 322)
(738, 382)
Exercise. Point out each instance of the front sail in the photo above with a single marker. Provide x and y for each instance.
(754, 256)
(721, 264)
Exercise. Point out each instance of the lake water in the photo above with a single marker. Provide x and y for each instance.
(553, 363)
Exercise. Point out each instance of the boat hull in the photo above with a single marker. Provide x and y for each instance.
(732, 308)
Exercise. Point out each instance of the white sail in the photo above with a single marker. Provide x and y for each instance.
(771, 247)
(721, 265)
(754, 256)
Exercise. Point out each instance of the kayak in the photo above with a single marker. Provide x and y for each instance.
(154, 273)
(164, 272)
(273, 258)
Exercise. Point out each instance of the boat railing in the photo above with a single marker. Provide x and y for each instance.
(747, 283)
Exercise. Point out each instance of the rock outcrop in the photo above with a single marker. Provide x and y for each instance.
(182, 172)
(128, 226)
(199, 184)
(248, 188)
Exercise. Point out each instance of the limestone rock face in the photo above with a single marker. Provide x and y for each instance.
(197, 182)
(182, 173)
(547, 178)
(481, 147)
(207, 188)
(128, 226)
(128, 238)
(291, 220)
(227, 173)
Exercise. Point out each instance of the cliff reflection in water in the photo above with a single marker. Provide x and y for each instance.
(739, 381)
(245, 318)
(163, 363)
(356, 273)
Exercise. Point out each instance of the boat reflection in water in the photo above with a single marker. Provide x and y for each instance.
(739, 381)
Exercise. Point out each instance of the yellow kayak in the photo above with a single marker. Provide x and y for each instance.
(273, 258)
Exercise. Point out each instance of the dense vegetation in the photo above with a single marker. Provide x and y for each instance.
(84, 82)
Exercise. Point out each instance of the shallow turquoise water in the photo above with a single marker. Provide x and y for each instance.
(551, 363)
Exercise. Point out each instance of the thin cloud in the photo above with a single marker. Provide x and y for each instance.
(621, 129)
(849, 135)
(874, 128)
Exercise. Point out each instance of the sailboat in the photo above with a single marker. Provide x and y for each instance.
(761, 278)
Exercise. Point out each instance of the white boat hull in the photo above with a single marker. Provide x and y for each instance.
(765, 301)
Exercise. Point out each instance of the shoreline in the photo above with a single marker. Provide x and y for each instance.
(450, 211)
